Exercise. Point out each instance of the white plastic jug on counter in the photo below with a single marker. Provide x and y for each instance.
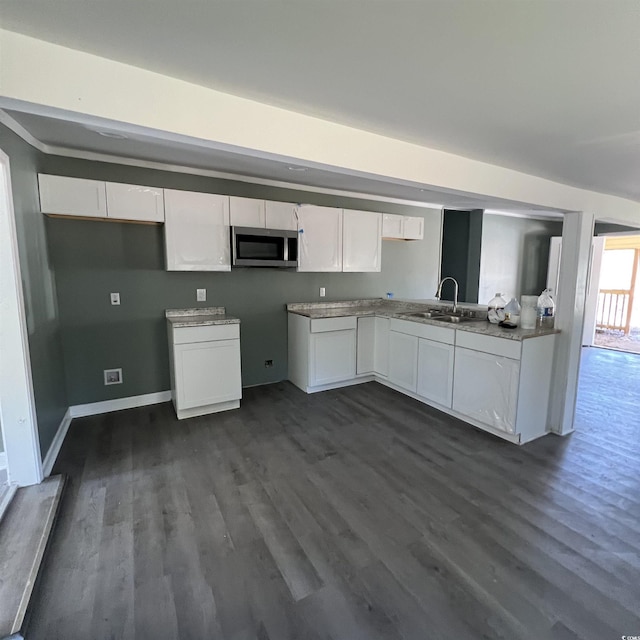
(512, 312)
(495, 309)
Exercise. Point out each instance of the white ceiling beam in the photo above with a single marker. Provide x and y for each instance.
(46, 74)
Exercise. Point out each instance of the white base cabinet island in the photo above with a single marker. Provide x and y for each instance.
(499, 384)
(204, 354)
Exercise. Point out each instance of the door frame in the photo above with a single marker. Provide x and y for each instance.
(18, 419)
(593, 289)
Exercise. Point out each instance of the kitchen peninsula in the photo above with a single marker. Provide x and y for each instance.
(493, 378)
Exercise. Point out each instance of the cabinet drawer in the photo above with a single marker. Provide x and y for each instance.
(420, 330)
(488, 344)
(207, 333)
(319, 325)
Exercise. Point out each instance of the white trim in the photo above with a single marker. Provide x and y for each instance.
(93, 156)
(96, 408)
(554, 216)
(18, 419)
(6, 498)
(56, 445)
(19, 130)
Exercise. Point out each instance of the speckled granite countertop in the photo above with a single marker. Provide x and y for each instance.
(199, 317)
(402, 310)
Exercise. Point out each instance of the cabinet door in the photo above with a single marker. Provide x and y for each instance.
(281, 215)
(134, 202)
(72, 196)
(207, 373)
(381, 352)
(413, 228)
(485, 387)
(319, 238)
(247, 212)
(403, 360)
(196, 231)
(332, 356)
(392, 226)
(361, 241)
(435, 371)
(365, 360)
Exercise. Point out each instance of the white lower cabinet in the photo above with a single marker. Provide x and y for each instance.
(403, 360)
(497, 384)
(486, 388)
(205, 369)
(435, 371)
(333, 356)
(381, 347)
(322, 351)
(365, 349)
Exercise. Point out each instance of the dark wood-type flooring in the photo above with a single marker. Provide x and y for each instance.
(352, 514)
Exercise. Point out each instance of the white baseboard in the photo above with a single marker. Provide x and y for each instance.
(3, 460)
(96, 408)
(56, 445)
(93, 409)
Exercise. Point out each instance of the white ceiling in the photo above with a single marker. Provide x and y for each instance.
(548, 87)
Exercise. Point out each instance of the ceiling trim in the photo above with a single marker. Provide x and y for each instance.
(67, 152)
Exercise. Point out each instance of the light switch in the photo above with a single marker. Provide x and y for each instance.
(115, 298)
(201, 295)
(323, 292)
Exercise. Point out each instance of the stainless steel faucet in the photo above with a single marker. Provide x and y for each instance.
(455, 291)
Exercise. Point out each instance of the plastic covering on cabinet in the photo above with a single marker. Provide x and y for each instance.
(319, 238)
(486, 388)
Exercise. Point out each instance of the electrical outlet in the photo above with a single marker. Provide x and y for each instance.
(113, 376)
(268, 363)
(201, 295)
(115, 298)
(323, 292)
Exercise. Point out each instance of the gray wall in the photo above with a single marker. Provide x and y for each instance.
(39, 288)
(92, 259)
(515, 256)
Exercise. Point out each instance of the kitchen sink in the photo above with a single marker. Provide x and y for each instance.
(426, 314)
(454, 319)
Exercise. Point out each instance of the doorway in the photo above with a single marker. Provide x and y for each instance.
(18, 425)
(617, 318)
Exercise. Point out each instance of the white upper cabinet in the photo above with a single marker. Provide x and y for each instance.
(319, 238)
(361, 241)
(281, 215)
(196, 231)
(413, 228)
(392, 226)
(247, 212)
(402, 227)
(134, 202)
(72, 196)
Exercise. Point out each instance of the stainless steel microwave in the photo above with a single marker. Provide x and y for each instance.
(255, 247)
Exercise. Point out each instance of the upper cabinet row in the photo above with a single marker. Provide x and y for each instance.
(197, 224)
(98, 199)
